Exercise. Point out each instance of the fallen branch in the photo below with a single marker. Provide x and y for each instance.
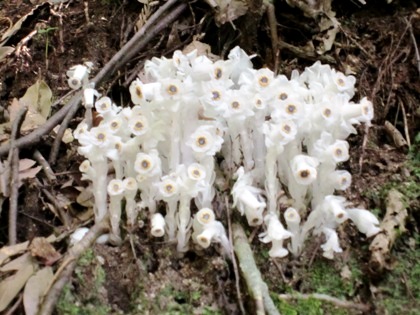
(139, 40)
(257, 288)
(392, 225)
(63, 274)
(45, 166)
(235, 265)
(14, 180)
(129, 50)
(324, 297)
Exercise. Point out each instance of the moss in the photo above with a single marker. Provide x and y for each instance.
(324, 277)
(309, 306)
(399, 292)
(85, 298)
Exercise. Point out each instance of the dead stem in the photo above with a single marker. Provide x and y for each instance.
(413, 38)
(256, 286)
(327, 298)
(364, 144)
(272, 21)
(45, 166)
(235, 265)
(63, 274)
(63, 215)
(14, 180)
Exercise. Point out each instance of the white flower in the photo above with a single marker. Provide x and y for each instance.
(144, 92)
(103, 105)
(78, 76)
(89, 95)
(303, 169)
(205, 140)
(213, 231)
(248, 199)
(196, 172)
(364, 220)
(332, 244)
(157, 225)
(344, 83)
(168, 188)
(291, 108)
(326, 149)
(238, 106)
(205, 216)
(341, 180)
(279, 133)
(335, 205)
(147, 164)
(276, 234)
(138, 125)
(357, 113)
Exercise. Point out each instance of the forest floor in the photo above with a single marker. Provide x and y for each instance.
(376, 42)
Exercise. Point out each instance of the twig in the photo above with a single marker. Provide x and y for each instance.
(14, 181)
(131, 48)
(272, 21)
(327, 298)
(64, 217)
(66, 269)
(364, 144)
(45, 166)
(35, 136)
(404, 116)
(310, 55)
(256, 286)
(235, 265)
(413, 38)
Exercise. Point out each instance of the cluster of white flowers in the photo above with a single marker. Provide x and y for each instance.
(194, 118)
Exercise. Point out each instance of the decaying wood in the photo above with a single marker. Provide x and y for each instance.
(395, 135)
(257, 288)
(392, 226)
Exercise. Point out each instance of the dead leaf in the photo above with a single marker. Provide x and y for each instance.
(25, 164)
(38, 99)
(44, 251)
(331, 25)
(35, 290)
(5, 51)
(18, 25)
(10, 251)
(228, 10)
(30, 173)
(86, 198)
(11, 286)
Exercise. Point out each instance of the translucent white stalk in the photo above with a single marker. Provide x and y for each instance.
(184, 223)
(292, 217)
(115, 191)
(130, 192)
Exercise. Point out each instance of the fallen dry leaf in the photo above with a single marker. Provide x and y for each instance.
(228, 10)
(35, 289)
(9, 251)
(38, 99)
(11, 286)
